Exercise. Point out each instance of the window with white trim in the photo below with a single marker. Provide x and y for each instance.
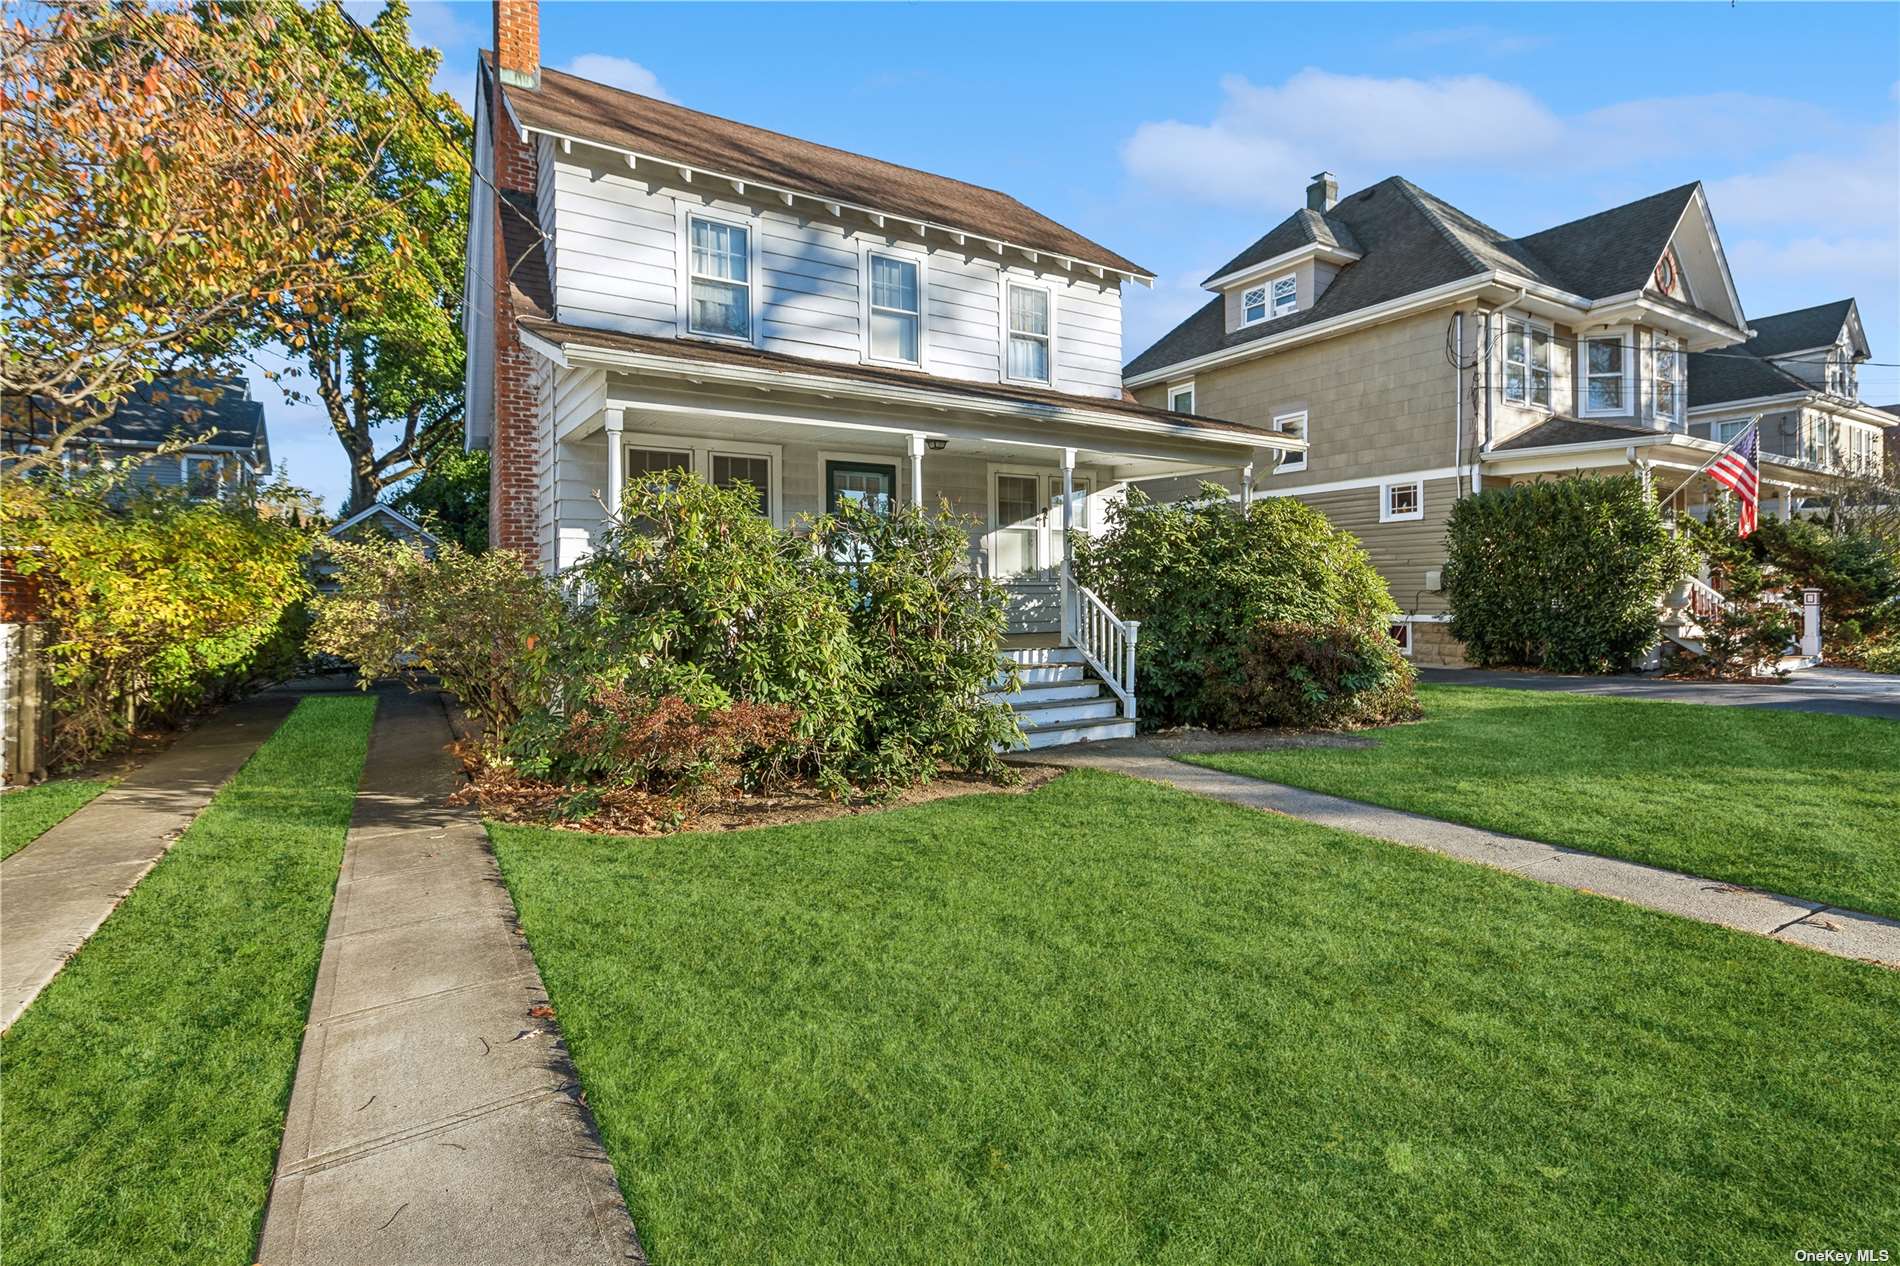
(1181, 398)
(1526, 363)
(896, 308)
(1401, 502)
(720, 261)
(1286, 294)
(1665, 376)
(1029, 333)
(1727, 431)
(1253, 305)
(1293, 424)
(732, 469)
(1401, 631)
(1820, 449)
(1606, 375)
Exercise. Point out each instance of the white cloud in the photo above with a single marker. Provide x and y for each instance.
(617, 72)
(1736, 124)
(1853, 188)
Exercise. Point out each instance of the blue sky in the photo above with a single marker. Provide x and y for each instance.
(1175, 134)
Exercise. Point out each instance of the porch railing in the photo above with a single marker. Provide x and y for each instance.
(1107, 641)
(1702, 600)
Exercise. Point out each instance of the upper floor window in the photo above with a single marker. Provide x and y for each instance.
(1820, 448)
(1181, 398)
(1286, 295)
(721, 302)
(1526, 363)
(1841, 378)
(1666, 365)
(1293, 424)
(896, 309)
(1606, 371)
(1253, 305)
(1727, 431)
(1028, 333)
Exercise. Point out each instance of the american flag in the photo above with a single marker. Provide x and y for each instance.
(1739, 469)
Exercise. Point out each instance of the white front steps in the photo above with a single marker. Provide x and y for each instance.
(1060, 702)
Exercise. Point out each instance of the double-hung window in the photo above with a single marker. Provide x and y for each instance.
(1606, 374)
(1293, 424)
(1029, 333)
(721, 264)
(1725, 432)
(896, 309)
(1286, 295)
(1253, 305)
(1526, 363)
(1666, 365)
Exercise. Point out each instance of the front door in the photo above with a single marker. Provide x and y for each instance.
(1026, 521)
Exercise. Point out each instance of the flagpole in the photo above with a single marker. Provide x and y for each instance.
(1752, 422)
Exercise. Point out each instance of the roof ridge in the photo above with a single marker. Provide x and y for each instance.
(1661, 193)
(1418, 198)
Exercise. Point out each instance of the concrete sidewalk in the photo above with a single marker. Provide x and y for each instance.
(433, 1119)
(1841, 691)
(55, 892)
(1845, 933)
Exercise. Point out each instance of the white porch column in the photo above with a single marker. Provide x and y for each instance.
(917, 470)
(616, 461)
(1246, 485)
(1068, 520)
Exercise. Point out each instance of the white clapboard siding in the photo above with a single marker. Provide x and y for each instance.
(546, 211)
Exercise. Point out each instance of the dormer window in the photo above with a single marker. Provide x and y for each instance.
(1526, 364)
(1253, 305)
(1286, 295)
(721, 261)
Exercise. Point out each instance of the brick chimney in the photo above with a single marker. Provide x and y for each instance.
(518, 42)
(515, 436)
(1323, 192)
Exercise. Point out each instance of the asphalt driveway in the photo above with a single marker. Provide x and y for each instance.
(1846, 691)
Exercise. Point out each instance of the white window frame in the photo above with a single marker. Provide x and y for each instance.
(1274, 310)
(1733, 427)
(1400, 631)
(1048, 525)
(755, 317)
(865, 307)
(1176, 391)
(1266, 303)
(1010, 283)
(1528, 398)
(1291, 462)
(1417, 512)
(1628, 407)
(702, 451)
(185, 461)
(1658, 343)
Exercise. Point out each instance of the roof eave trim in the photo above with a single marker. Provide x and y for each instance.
(651, 362)
(1344, 323)
(957, 235)
(1317, 250)
(1724, 406)
(382, 507)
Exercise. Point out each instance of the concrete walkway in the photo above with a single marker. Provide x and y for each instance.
(55, 892)
(1845, 933)
(433, 1119)
(1843, 691)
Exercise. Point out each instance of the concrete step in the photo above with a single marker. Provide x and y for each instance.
(1044, 675)
(1063, 712)
(1062, 735)
(1030, 696)
(1041, 655)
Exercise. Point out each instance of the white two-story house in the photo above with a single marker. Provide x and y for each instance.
(651, 287)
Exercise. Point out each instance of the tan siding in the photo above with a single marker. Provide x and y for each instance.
(1402, 552)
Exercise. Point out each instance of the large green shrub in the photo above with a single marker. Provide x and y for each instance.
(480, 622)
(1858, 574)
(927, 630)
(1206, 579)
(1306, 675)
(155, 601)
(1562, 574)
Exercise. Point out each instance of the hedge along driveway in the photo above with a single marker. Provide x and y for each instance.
(1798, 803)
(146, 1087)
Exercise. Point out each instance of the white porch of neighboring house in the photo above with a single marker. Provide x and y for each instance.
(1022, 468)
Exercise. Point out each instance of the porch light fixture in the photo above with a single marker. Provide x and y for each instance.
(936, 444)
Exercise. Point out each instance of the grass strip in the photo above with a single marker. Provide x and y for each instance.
(1800, 803)
(145, 1089)
(1106, 1021)
(30, 812)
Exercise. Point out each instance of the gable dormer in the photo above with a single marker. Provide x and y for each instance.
(1288, 269)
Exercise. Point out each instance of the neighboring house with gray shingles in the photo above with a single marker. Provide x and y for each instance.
(1424, 355)
(221, 442)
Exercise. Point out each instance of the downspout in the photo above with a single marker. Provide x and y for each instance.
(1458, 392)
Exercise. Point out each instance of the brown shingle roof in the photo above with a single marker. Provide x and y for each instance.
(585, 110)
(748, 357)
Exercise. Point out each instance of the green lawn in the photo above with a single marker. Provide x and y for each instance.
(1108, 1022)
(1796, 802)
(28, 813)
(145, 1089)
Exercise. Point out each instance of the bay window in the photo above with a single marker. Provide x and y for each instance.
(720, 261)
(896, 309)
(1029, 333)
(1666, 366)
(1526, 363)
